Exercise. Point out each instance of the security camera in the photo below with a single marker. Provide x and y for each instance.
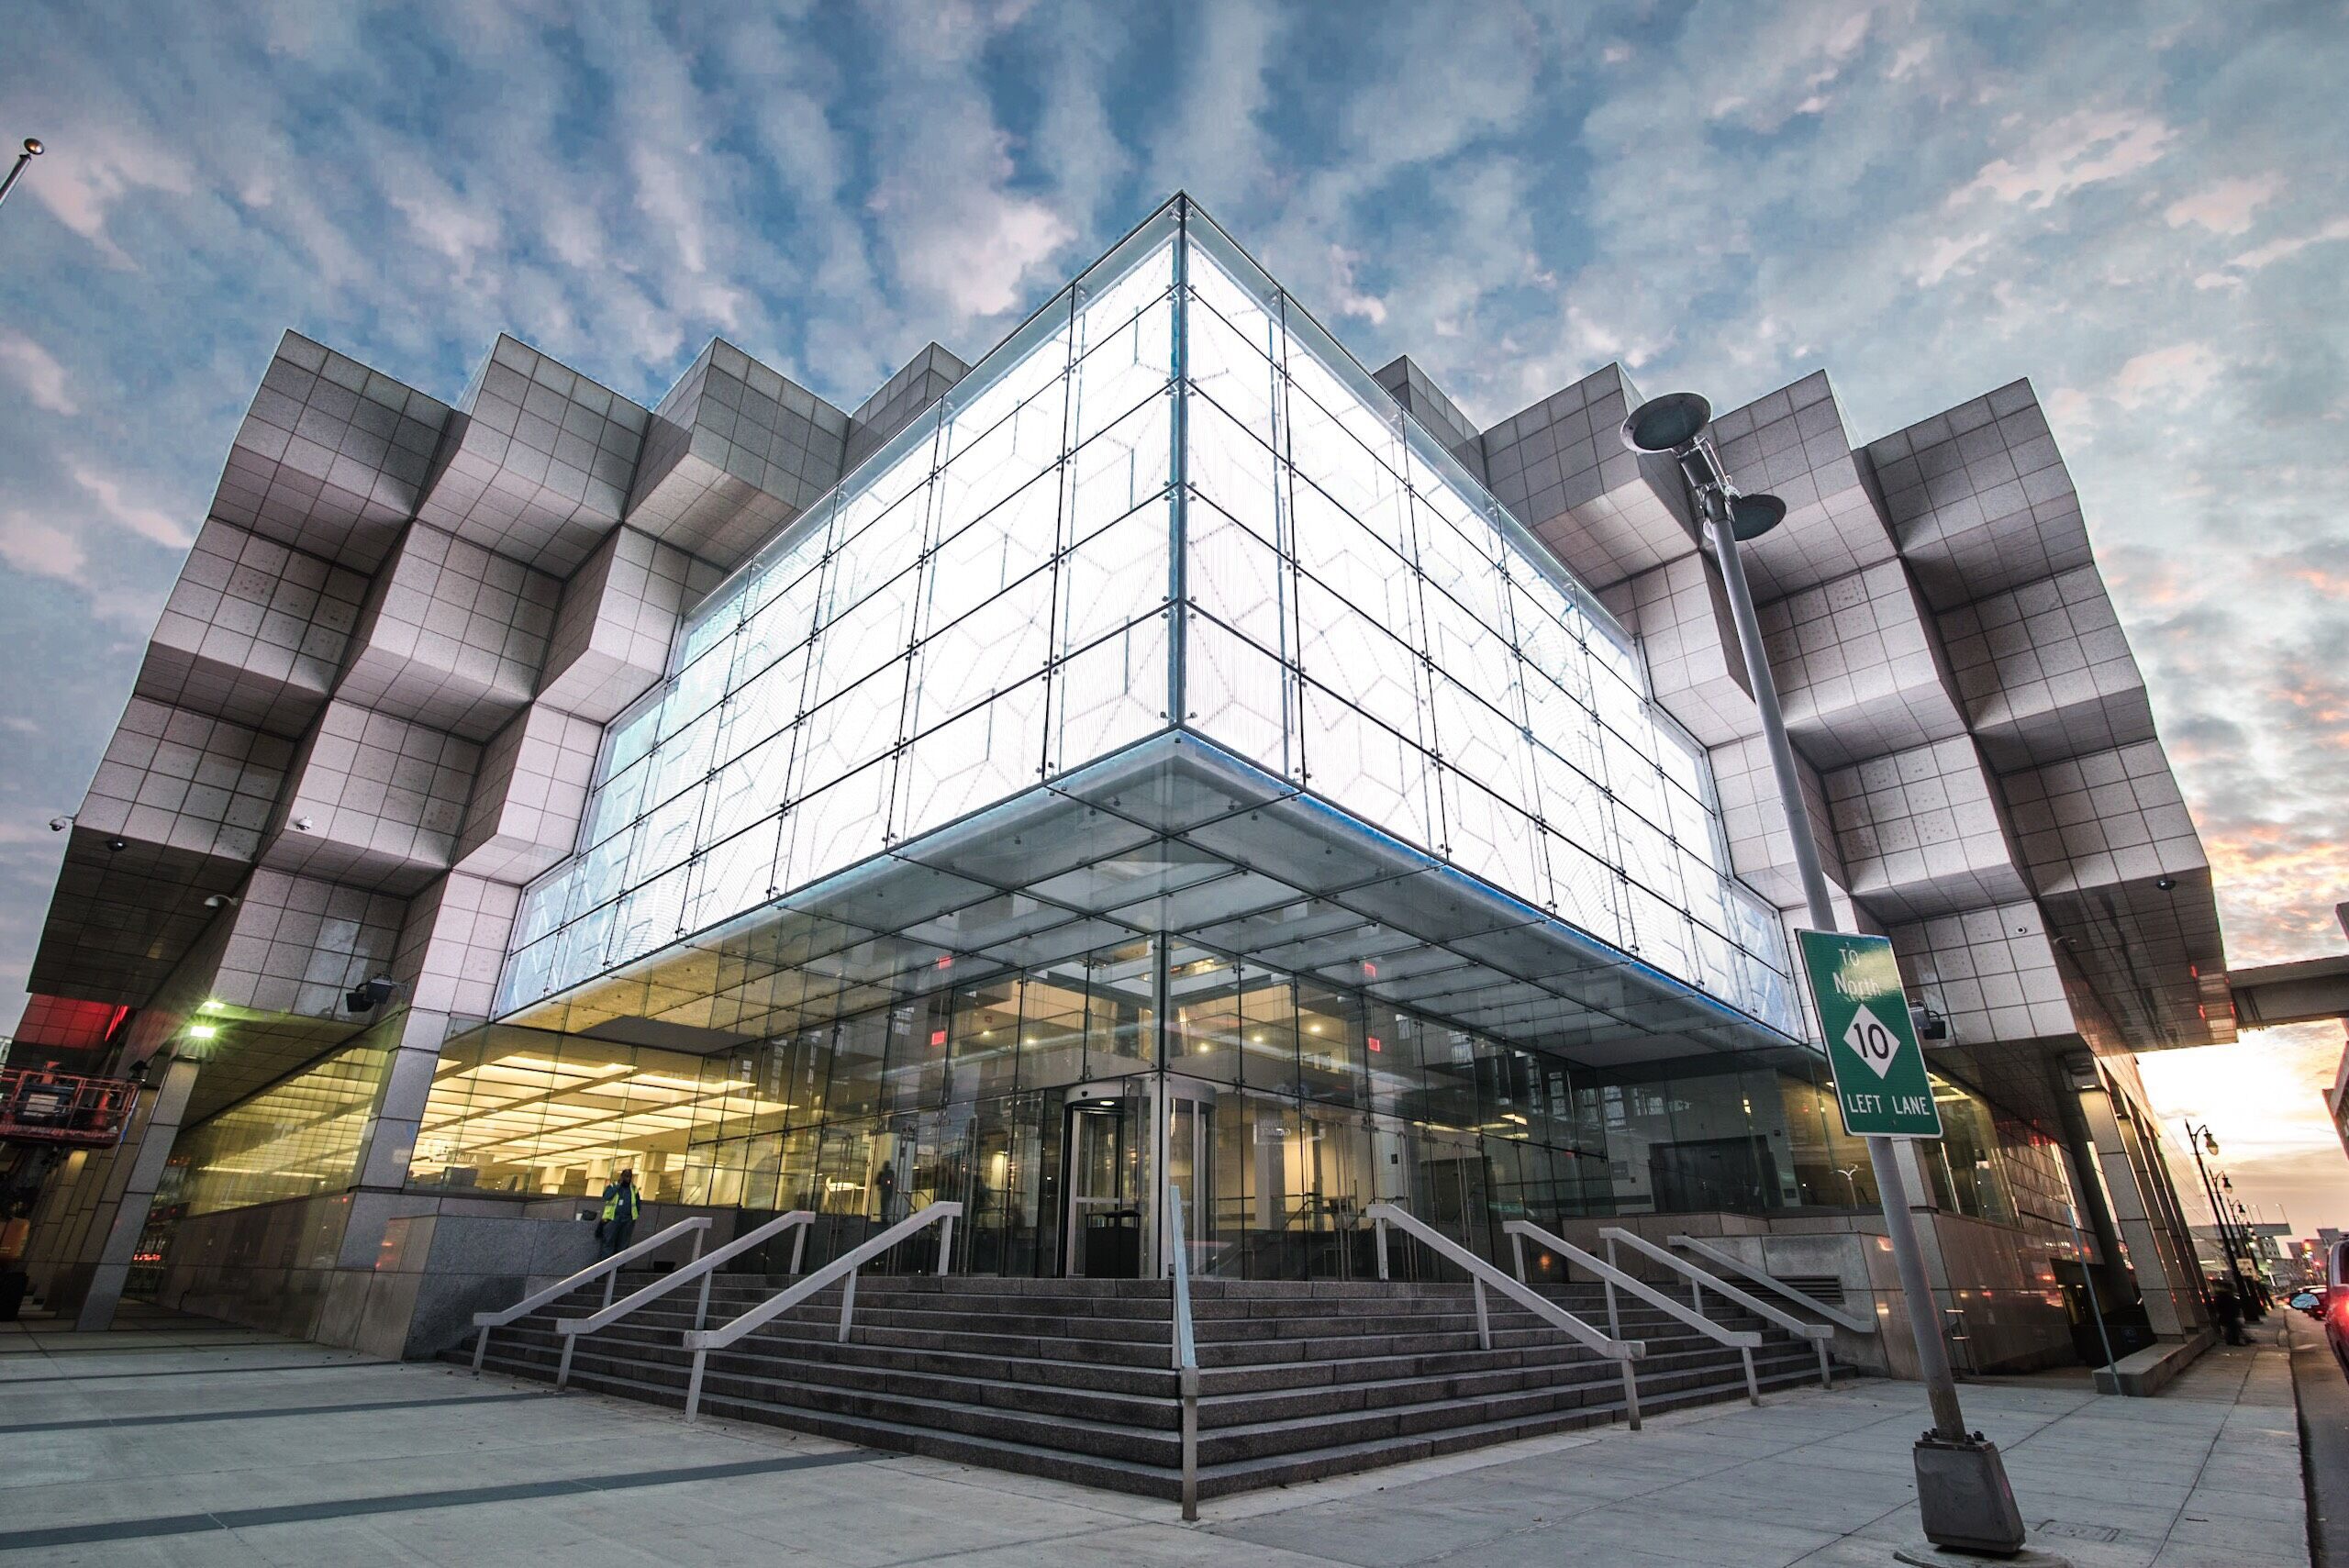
(221, 901)
(118, 845)
(369, 994)
(59, 824)
(2166, 883)
(301, 824)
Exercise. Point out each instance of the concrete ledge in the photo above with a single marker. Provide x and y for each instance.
(2140, 1375)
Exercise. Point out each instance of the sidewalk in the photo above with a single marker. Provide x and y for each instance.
(179, 1442)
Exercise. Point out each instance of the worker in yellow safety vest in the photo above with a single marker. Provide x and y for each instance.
(620, 1206)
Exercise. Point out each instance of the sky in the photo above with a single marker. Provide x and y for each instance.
(2131, 205)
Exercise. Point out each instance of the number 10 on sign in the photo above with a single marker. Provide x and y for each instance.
(1881, 1083)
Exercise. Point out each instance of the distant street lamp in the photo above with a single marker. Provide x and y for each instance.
(2218, 1208)
(1962, 1487)
(32, 151)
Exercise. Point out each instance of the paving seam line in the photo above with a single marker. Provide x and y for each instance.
(358, 1507)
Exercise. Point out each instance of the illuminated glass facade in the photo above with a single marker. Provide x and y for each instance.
(998, 597)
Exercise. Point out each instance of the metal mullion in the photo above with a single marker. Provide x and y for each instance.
(1285, 551)
(1064, 510)
(1179, 473)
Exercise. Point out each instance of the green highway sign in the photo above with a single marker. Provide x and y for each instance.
(1881, 1078)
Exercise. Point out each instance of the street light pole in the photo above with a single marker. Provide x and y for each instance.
(32, 151)
(1963, 1492)
(2218, 1209)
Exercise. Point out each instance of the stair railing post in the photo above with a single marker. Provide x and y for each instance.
(562, 1372)
(800, 1244)
(1631, 1395)
(945, 1242)
(693, 1387)
(481, 1349)
(1826, 1376)
(611, 1278)
(1752, 1389)
(848, 1303)
(1189, 1385)
(1517, 1246)
(1484, 1323)
(1614, 1321)
(1381, 1232)
(701, 1303)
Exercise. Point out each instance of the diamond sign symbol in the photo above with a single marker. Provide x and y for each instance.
(1871, 1041)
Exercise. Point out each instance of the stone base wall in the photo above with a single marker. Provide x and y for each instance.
(2014, 1320)
(401, 1286)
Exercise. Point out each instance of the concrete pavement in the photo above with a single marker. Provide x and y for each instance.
(2323, 1390)
(187, 1443)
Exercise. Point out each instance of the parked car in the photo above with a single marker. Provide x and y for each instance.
(2311, 1300)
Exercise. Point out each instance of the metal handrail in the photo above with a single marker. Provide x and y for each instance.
(608, 1267)
(1187, 1351)
(701, 1341)
(1745, 1341)
(701, 1269)
(1855, 1322)
(1482, 1274)
(1818, 1334)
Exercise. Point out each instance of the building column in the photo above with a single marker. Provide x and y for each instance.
(2110, 1273)
(379, 1174)
(2183, 1264)
(127, 1221)
(2161, 1284)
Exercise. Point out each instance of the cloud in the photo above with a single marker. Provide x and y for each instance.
(43, 549)
(1211, 143)
(2079, 150)
(973, 249)
(99, 161)
(2182, 373)
(38, 372)
(2225, 207)
(149, 522)
(1346, 299)
(2238, 268)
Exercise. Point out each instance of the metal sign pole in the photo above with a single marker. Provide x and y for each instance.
(1962, 1489)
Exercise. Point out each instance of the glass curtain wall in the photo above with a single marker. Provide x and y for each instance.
(984, 604)
(980, 605)
(298, 1138)
(1283, 1106)
(1363, 618)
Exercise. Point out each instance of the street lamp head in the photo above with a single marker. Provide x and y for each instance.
(32, 147)
(1669, 423)
(1751, 516)
(2210, 1142)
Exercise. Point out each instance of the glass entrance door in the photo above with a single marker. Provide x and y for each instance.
(1102, 1215)
(1190, 1170)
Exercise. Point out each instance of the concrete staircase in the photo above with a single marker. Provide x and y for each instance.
(1071, 1378)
